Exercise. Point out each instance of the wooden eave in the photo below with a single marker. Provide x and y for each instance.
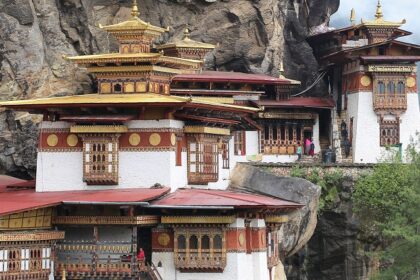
(133, 25)
(186, 116)
(115, 58)
(134, 69)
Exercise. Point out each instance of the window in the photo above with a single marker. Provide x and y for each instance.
(203, 163)
(381, 87)
(390, 132)
(25, 257)
(100, 155)
(391, 87)
(3, 260)
(14, 261)
(239, 143)
(204, 249)
(46, 258)
(401, 88)
(225, 154)
(280, 138)
(117, 88)
(272, 248)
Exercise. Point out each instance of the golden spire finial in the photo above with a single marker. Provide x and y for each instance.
(135, 10)
(353, 16)
(281, 70)
(186, 33)
(379, 14)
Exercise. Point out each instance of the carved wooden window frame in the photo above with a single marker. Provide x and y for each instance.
(273, 257)
(389, 132)
(239, 140)
(203, 159)
(4, 263)
(225, 150)
(280, 138)
(178, 151)
(100, 159)
(193, 258)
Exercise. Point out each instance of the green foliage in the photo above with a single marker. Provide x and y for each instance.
(388, 201)
(329, 181)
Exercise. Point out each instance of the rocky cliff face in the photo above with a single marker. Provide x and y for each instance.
(254, 36)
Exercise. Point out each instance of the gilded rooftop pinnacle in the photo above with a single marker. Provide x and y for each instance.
(186, 33)
(353, 16)
(379, 14)
(135, 10)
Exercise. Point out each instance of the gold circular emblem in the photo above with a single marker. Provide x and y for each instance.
(241, 239)
(154, 139)
(163, 239)
(134, 139)
(52, 140)
(365, 81)
(72, 140)
(173, 139)
(411, 82)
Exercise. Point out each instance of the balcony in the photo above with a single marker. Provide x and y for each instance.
(396, 102)
(200, 260)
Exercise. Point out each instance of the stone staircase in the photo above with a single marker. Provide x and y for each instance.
(338, 142)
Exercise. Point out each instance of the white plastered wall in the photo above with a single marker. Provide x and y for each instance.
(63, 171)
(366, 138)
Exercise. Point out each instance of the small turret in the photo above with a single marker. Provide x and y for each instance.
(353, 17)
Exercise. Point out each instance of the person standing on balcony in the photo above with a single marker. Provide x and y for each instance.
(141, 257)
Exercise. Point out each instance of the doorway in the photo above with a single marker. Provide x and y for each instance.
(144, 240)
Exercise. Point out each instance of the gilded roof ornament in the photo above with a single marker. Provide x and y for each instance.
(135, 10)
(187, 42)
(353, 16)
(379, 19)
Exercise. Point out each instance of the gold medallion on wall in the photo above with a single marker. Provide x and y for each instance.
(173, 139)
(72, 140)
(163, 239)
(154, 139)
(134, 139)
(52, 140)
(365, 81)
(411, 82)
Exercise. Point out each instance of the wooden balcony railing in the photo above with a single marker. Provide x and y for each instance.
(200, 260)
(390, 102)
(279, 147)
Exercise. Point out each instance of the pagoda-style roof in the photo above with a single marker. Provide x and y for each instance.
(122, 100)
(150, 58)
(187, 42)
(379, 20)
(134, 25)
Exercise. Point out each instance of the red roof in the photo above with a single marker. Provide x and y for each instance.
(12, 200)
(229, 77)
(299, 102)
(198, 197)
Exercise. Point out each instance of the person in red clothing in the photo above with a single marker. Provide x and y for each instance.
(140, 255)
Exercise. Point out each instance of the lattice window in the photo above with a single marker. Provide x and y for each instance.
(389, 93)
(4, 260)
(280, 138)
(100, 156)
(14, 260)
(239, 143)
(25, 258)
(390, 132)
(203, 163)
(178, 152)
(225, 154)
(200, 248)
(46, 258)
(35, 260)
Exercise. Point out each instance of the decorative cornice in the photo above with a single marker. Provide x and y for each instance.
(98, 129)
(31, 236)
(197, 219)
(206, 130)
(106, 220)
(392, 68)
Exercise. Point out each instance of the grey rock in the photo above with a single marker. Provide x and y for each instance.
(297, 232)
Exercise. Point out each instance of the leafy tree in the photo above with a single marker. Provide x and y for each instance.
(388, 203)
